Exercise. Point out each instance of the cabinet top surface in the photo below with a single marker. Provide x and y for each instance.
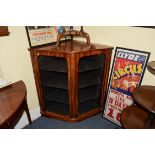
(73, 46)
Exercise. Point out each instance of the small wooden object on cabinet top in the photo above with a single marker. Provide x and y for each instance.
(4, 31)
(71, 80)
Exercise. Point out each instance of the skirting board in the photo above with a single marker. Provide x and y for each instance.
(24, 120)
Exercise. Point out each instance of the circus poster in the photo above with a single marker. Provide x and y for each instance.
(127, 72)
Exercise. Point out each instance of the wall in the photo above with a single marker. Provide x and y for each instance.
(129, 37)
(15, 62)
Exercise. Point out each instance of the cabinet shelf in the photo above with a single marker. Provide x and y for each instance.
(55, 80)
(88, 79)
(61, 108)
(88, 105)
(90, 63)
(55, 65)
(89, 93)
(52, 64)
(56, 107)
(61, 96)
(59, 80)
(57, 95)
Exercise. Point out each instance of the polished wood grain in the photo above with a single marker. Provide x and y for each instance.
(71, 47)
(12, 104)
(4, 31)
(73, 33)
(151, 67)
(134, 117)
(72, 52)
(145, 97)
(141, 115)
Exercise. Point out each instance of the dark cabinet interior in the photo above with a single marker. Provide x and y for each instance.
(71, 84)
(90, 80)
(54, 83)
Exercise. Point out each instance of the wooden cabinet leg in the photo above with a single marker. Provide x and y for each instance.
(150, 119)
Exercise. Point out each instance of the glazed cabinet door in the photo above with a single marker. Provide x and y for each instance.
(54, 84)
(90, 82)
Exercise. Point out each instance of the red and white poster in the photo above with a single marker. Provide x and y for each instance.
(42, 35)
(127, 73)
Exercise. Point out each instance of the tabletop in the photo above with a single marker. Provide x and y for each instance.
(151, 67)
(73, 46)
(11, 97)
(145, 97)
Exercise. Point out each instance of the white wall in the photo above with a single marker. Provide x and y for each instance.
(129, 37)
(15, 61)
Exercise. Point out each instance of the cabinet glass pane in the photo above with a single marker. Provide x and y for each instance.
(90, 79)
(54, 83)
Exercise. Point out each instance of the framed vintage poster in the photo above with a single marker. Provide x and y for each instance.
(127, 72)
(42, 35)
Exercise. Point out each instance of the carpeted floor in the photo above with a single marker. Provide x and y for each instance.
(95, 122)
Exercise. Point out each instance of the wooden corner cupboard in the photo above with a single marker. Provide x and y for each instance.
(71, 80)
